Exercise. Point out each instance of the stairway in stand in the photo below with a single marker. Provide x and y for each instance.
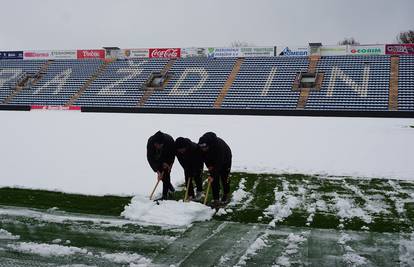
(393, 91)
(85, 86)
(229, 82)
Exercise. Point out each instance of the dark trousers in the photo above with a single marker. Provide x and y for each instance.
(198, 182)
(223, 177)
(166, 184)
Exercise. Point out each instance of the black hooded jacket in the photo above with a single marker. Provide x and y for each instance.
(191, 160)
(218, 156)
(165, 155)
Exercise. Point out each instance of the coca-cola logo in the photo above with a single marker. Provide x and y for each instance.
(165, 53)
(400, 49)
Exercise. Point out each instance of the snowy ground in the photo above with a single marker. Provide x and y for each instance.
(105, 153)
(213, 243)
(271, 220)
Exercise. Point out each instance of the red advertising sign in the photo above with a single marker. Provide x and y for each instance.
(36, 55)
(399, 49)
(91, 53)
(165, 52)
(40, 107)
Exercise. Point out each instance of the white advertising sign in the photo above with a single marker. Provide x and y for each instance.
(366, 50)
(334, 50)
(49, 54)
(257, 51)
(240, 52)
(194, 52)
(135, 53)
(293, 51)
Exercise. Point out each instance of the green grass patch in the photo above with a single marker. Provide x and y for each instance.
(41, 199)
(262, 189)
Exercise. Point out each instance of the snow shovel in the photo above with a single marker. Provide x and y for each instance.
(155, 187)
(208, 190)
(186, 191)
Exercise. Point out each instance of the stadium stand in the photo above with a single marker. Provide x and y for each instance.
(348, 83)
(196, 83)
(61, 81)
(15, 73)
(352, 83)
(121, 84)
(266, 83)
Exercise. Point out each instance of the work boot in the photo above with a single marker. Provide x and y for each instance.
(215, 203)
(163, 197)
(199, 195)
(170, 195)
(225, 199)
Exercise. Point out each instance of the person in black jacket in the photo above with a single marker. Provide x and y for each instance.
(189, 155)
(161, 155)
(217, 157)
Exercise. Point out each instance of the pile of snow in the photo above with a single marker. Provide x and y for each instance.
(293, 242)
(350, 258)
(260, 243)
(46, 249)
(283, 206)
(7, 235)
(124, 257)
(346, 209)
(166, 213)
(239, 194)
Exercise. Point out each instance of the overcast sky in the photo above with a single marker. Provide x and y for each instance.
(67, 24)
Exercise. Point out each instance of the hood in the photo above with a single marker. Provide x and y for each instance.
(209, 139)
(182, 142)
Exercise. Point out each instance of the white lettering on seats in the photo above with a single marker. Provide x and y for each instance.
(132, 71)
(59, 80)
(362, 89)
(8, 75)
(269, 81)
(203, 78)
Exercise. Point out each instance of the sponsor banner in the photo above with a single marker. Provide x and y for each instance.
(399, 49)
(223, 52)
(338, 50)
(134, 53)
(366, 49)
(50, 54)
(57, 108)
(91, 53)
(293, 51)
(194, 52)
(240, 52)
(257, 51)
(11, 54)
(30, 55)
(63, 54)
(164, 52)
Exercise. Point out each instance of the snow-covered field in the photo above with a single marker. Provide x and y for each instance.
(105, 153)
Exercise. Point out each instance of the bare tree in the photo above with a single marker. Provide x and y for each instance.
(348, 41)
(238, 43)
(406, 37)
